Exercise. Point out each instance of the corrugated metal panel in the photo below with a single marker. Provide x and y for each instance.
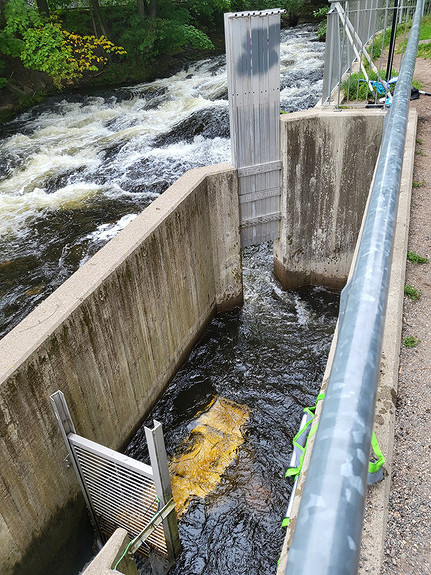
(253, 63)
(121, 490)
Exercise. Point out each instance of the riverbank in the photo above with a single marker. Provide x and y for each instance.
(26, 88)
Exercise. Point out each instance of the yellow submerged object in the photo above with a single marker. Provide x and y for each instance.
(210, 448)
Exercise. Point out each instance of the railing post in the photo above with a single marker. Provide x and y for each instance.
(162, 480)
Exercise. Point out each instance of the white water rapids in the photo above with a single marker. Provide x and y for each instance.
(76, 169)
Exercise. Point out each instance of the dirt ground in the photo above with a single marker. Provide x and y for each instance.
(408, 538)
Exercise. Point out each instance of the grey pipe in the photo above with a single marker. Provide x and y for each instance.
(328, 529)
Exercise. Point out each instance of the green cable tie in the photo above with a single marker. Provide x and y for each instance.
(294, 471)
(373, 467)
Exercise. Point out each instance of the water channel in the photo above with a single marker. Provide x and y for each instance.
(73, 172)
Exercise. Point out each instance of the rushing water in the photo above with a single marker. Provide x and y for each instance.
(73, 172)
(269, 357)
(75, 169)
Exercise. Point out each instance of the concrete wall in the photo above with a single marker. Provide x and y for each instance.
(328, 164)
(110, 554)
(110, 338)
(376, 508)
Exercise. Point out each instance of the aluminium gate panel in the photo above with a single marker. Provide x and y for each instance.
(253, 63)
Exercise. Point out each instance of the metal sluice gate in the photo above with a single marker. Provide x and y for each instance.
(122, 492)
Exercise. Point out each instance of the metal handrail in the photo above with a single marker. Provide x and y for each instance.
(327, 536)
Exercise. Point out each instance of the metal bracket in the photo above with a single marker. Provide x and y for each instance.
(155, 522)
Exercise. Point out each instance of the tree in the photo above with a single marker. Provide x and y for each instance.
(42, 44)
(99, 25)
(43, 7)
(153, 9)
(141, 7)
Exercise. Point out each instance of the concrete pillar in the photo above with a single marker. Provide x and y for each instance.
(222, 188)
(328, 163)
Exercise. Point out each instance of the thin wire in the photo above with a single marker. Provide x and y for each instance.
(133, 540)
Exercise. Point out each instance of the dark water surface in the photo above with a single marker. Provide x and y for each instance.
(268, 356)
(73, 172)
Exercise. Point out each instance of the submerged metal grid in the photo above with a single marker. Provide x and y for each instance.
(121, 490)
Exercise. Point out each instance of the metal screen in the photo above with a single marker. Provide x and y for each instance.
(122, 492)
(253, 68)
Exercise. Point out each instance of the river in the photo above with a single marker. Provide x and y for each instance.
(73, 172)
(76, 169)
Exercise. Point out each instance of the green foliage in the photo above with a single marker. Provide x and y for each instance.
(43, 45)
(425, 31)
(381, 41)
(3, 81)
(43, 51)
(18, 16)
(412, 293)
(321, 15)
(411, 341)
(416, 258)
(424, 50)
(76, 21)
(145, 39)
(208, 12)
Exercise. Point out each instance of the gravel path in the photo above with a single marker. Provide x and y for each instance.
(408, 538)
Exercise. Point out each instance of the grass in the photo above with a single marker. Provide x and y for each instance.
(424, 50)
(412, 293)
(411, 341)
(416, 258)
(416, 184)
(355, 87)
(425, 32)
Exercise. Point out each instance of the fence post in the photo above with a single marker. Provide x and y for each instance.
(162, 480)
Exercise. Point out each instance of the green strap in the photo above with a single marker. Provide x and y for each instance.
(374, 467)
(294, 471)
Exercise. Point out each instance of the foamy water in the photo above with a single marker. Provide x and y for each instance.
(74, 167)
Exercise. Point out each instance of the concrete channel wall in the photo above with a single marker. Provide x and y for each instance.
(377, 499)
(328, 164)
(110, 338)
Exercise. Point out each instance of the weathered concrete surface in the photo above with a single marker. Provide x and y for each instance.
(328, 164)
(110, 338)
(108, 556)
(376, 510)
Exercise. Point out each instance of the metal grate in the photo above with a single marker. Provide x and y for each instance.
(361, 38)
(121, 490)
